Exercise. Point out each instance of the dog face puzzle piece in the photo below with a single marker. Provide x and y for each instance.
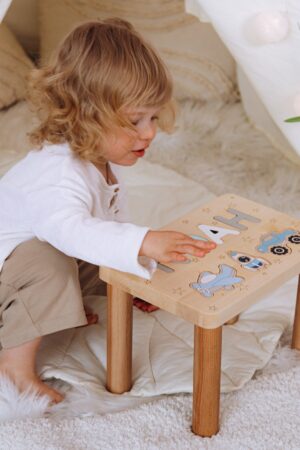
(208, 283)
(248, 261)
(276, 243)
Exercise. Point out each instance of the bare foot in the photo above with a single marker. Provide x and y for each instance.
(90, 316)
(30, 382)
(143, 305)
(18, 364)
(36, 385)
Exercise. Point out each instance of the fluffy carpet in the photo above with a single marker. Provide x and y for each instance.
(215, 146)
(264, 415)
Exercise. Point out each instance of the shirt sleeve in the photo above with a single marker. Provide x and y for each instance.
(61, 215)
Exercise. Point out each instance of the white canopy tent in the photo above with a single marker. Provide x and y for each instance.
(264, 38)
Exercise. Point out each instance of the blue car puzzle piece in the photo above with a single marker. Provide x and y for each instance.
(276, 242)
(208, 283)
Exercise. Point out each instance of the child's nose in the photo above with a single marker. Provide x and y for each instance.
(148, 132)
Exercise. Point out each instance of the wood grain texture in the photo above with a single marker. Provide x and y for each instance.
(207, 378)
(119, 340)
(296, 328)
(172, 291)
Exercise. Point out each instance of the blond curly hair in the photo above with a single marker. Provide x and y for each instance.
(99, 69)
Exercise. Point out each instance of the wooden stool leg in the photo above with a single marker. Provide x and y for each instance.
(296, 329)
(207, 377)
(119, 340)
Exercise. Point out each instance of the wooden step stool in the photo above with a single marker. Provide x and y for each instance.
(258, 250)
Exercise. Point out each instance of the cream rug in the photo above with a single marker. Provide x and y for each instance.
(264, 415)
(215, 145)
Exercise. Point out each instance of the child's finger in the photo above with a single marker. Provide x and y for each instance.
(191, 250)
(177, 257)
(209, 245)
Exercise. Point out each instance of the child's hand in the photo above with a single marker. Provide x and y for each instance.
(168, 246)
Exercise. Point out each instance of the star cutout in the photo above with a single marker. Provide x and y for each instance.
(194, 259)
(177, 291)
(248, 239)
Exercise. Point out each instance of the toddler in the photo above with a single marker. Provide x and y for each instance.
(63, 210)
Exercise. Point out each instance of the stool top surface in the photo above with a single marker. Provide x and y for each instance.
(258, 249)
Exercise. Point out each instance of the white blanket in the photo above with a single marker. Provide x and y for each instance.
(162, 343)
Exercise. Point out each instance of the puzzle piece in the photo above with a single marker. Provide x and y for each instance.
(216, 233)
(248, 261)
(238, 216)
(276, 243)
(208, 283)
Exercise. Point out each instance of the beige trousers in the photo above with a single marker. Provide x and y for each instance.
(41, 292)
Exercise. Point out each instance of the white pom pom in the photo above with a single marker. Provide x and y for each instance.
(267, 27)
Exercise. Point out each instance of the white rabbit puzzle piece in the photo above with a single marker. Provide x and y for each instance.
(258, 249)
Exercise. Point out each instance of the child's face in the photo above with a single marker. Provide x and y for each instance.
(124, 149)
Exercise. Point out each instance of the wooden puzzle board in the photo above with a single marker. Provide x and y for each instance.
(242, 269)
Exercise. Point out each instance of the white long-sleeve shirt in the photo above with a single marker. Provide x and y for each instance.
(58, 198)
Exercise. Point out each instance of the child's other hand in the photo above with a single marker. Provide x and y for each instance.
(168, 246)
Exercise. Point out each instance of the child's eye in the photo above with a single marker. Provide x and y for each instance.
(137, 121)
